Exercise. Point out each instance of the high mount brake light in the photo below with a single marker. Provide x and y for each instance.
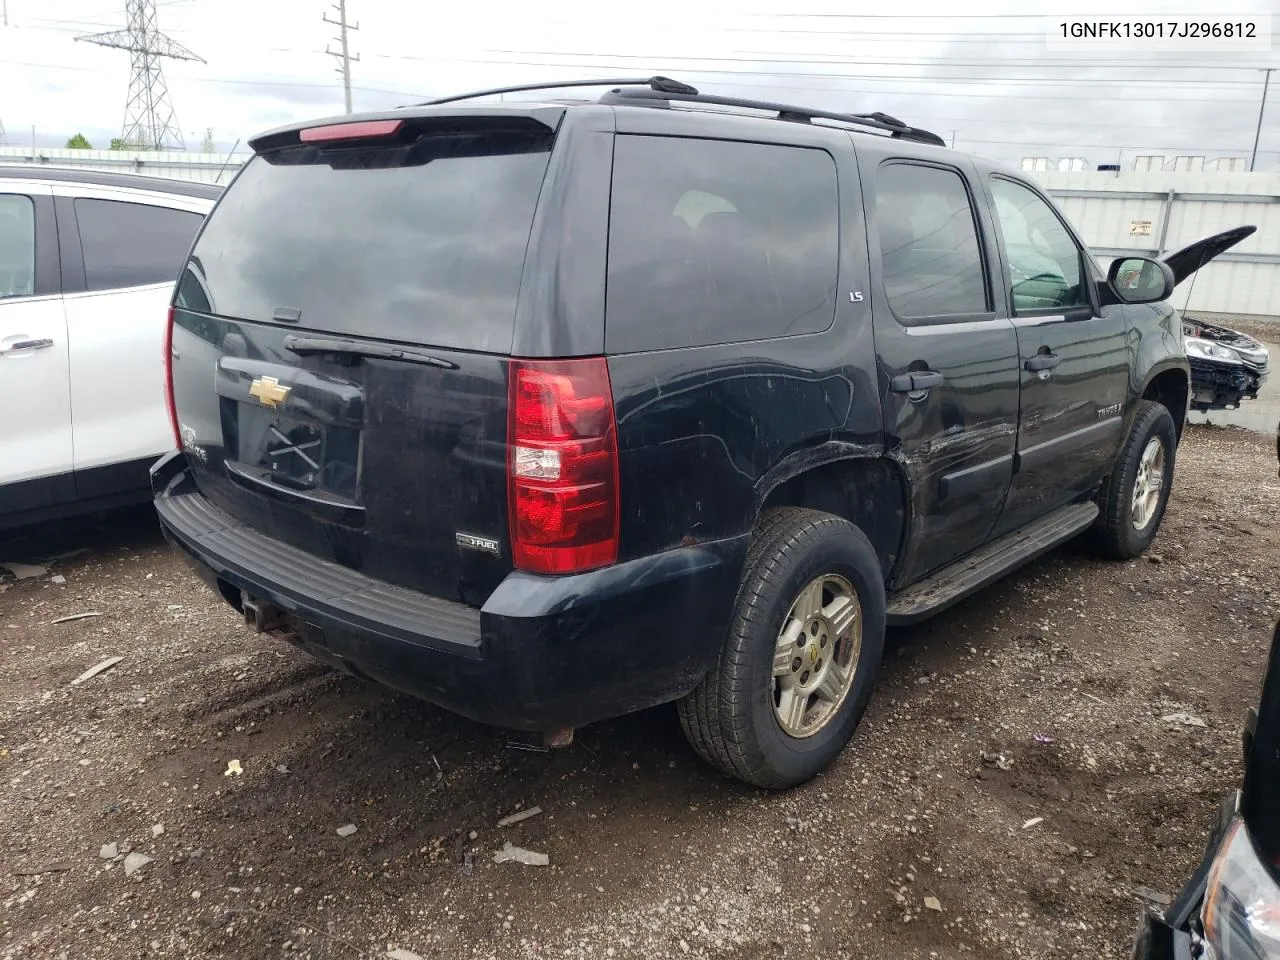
(356, 130)
(563, 464)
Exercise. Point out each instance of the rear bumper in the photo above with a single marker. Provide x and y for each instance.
(543, 652)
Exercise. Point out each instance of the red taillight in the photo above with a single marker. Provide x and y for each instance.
(168, 380)
(359, 130)
(563, 463)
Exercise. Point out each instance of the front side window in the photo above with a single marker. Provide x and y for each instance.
(1043, 260)
(719, 242)
(132, 244)
(17, 246)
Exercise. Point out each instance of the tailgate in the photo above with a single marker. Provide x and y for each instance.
(339, 349)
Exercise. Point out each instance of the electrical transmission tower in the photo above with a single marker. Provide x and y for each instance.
(149, 120)
(343, 53)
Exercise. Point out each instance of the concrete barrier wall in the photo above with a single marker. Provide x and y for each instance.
(177, 165)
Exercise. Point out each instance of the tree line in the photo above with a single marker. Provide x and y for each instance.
(81, 142)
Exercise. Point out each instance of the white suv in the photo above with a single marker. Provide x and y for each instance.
(87, 266)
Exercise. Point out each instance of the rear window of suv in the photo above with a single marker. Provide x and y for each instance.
(420, 243)
(716, 241)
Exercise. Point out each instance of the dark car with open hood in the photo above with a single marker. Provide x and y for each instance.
(1227, 366)
(551, 411)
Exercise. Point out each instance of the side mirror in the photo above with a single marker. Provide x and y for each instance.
(1139, 280)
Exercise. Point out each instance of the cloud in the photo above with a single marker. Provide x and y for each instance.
(1176, 103)
(981, 69)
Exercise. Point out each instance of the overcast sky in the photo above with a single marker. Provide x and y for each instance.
(985, 77)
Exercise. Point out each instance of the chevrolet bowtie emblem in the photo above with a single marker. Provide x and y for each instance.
(268, 392)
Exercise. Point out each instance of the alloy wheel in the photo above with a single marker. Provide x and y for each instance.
(816, 656)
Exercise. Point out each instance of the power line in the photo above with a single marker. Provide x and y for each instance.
(343, 54)
(895, 36)
(1076, 144)
(959, 63)
(1018, 81)
(698, 71)
(249, 81)
(885, 77)
(417, 94)
(752, 56)
(931, 17)
(740, 79)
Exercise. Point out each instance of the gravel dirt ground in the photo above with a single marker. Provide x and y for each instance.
(1060, 674)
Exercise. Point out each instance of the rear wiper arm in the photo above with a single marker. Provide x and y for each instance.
(307, 345)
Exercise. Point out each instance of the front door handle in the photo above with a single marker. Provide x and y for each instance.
(27, 345)
(1042, 361)
(916, 381)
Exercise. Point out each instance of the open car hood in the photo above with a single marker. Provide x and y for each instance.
(1191, 258)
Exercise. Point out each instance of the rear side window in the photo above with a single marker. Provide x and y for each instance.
(420, 241)
(718, 241)
(17, 246)
(928, 243)
(132, 244)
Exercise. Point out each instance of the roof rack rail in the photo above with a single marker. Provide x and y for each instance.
(663, 85)
(656, 90)
(879, 121)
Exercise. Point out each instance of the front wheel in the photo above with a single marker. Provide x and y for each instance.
(803, 650)
(1134, 497)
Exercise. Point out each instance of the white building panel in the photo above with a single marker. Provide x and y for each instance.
(1244, 280)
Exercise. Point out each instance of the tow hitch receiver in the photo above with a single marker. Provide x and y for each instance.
(260, 615)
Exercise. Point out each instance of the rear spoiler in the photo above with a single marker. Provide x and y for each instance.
(389, 125)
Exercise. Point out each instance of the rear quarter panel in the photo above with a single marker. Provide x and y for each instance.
(703, 432)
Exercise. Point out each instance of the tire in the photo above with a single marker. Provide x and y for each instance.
(734, 718)
(1120, 532)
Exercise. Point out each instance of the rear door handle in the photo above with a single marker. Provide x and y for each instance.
(27, 345)
(1042, 361)
(916, 381)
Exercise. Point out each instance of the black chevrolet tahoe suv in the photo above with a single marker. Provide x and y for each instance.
(548, 412)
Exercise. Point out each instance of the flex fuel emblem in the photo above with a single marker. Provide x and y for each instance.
(268, 392)
(476, 543)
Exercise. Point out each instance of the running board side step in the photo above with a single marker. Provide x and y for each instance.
(987, 564)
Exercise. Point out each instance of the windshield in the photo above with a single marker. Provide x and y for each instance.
(420, 242)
